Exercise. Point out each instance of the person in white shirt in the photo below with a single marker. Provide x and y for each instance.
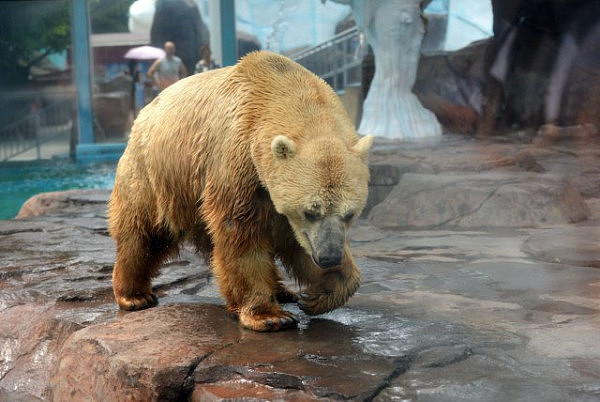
(167, 70)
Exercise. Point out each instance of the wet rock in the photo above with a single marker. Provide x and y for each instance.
(146, 355)
(30, 336)
(46, 203)
(322, 360)
(474, 200)
(199, 352)
(178, 351)
(572, 245)
(6, 395)
(550, 134)
(459, 383)
(450, 84)
(527, 162)
(384, 176)
(442, 356)
(251, 391)
(453, 117)
(444, 313)
(382, 180)
(55, 278)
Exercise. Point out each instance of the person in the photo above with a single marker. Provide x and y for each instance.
(167, 70)
(206, 62)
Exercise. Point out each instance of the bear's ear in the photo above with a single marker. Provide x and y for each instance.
(363, 146)
(282, 147)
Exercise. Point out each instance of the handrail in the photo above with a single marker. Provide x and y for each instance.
(39, 127)
(337, 60)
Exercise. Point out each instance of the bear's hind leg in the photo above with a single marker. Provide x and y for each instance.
(138, 260)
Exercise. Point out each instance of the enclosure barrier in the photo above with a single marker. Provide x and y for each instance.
(337, 60)
(37, 128)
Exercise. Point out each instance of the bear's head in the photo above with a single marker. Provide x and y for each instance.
(321, 186)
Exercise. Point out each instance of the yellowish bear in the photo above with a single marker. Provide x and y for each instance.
(253, 163)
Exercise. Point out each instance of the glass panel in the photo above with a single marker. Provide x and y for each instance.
(36, 87)
(478, 244)
(117, 82)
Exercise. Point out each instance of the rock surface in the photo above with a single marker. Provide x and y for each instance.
(475, 200)
(444, 312)
(569, 245)
(181, 22)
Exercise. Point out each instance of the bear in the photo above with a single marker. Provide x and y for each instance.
(254, 164)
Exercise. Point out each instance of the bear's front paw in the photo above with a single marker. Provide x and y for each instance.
(318, 303)
(274, 320)
(286, 296)
(332, 291)
(137, 302)
(316, 300)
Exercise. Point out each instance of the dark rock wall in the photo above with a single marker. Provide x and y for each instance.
(553, 58)
(550, 74)
(179, 21)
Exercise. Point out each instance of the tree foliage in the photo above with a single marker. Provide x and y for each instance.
(109, 15)
(30, 31)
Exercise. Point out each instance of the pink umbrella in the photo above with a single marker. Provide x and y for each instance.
(145, 53)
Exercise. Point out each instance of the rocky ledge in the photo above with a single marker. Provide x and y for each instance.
(480, 282)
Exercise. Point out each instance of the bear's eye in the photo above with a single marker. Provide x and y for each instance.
(348, 217)
(312, 216)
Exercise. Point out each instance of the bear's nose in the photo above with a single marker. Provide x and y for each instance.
(329, 260)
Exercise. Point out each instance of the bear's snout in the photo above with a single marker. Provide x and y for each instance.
(327, 240)
(328, 260)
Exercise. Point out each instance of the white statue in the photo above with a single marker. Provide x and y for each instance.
(395, 30)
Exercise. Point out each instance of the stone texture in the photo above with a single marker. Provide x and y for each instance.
(55, 278)
(571, 245)
(444, 313)
(450, 84)
(180, 21)
(550, 134)
(145, 356)
(475, 200)
(30, 338)
(319, 361)
(45, 203)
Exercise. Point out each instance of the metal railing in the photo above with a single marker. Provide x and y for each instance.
(337, 60)
(39, 127)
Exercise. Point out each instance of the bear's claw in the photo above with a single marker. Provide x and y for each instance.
(314, 304)
(259, 322)
(138, 302)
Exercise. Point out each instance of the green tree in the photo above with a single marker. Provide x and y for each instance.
(109, 15)
(29, 32)
(32, 30)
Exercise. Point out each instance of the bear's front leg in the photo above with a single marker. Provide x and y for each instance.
(328, 288)
(250, 283)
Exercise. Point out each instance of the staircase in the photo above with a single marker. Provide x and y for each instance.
(338, 62)
(55, 120)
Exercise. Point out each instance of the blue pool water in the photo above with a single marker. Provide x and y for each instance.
(21, 180)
